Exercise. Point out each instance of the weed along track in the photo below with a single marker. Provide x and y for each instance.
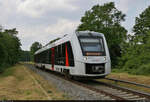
(40, 87)
(90, 89)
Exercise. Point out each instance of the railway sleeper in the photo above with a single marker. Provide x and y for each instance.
(131, 97)
(126, 95)
(113, 90)
(120, 93)
(116, 90)
(102, 95)
(138, 99)
(107, 98)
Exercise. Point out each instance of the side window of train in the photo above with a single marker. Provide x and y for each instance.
(42, 57)
(59, 55)
(49, 56)
(37, 58)
(56, 55)
(59, 51)
(63, 54)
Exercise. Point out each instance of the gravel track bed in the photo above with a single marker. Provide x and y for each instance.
(72, 90)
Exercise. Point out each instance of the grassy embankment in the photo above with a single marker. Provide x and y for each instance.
(20, 83)
(133, 78)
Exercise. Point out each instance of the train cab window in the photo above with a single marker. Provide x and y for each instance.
(92, 46)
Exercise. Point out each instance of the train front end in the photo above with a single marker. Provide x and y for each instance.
(91, 55)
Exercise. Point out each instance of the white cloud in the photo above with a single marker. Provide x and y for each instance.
(44, 34)
(35, 8)
(123, 5)
(62, 26)
(7, 8)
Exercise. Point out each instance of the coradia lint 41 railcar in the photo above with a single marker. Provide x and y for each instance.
(82, 54)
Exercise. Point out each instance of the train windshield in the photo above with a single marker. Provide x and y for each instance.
(92, 46)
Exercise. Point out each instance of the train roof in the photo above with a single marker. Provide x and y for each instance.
(66, 38)
(88, 33)
(63, 39)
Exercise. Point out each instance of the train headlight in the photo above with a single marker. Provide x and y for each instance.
(85, 58)
(104, 58)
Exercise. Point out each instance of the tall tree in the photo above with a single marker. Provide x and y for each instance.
(25, 56)
(9, 47)
(106, 19)
(142, 25)
(135, 59)
(34, 47)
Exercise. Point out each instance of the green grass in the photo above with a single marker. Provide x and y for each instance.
(139, 71)
(7, 72)
(28, 92)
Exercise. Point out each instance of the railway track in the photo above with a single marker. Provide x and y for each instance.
(128, 82)
(124, 93)
(109, 91)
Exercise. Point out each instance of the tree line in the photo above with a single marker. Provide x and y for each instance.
(9, 47)
(27, 56)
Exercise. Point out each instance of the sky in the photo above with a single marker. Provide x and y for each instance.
(45, 20)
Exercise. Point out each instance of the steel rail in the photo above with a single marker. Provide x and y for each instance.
(129, 82)
(142, 94)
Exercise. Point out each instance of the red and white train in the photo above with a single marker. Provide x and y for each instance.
(82, 54)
